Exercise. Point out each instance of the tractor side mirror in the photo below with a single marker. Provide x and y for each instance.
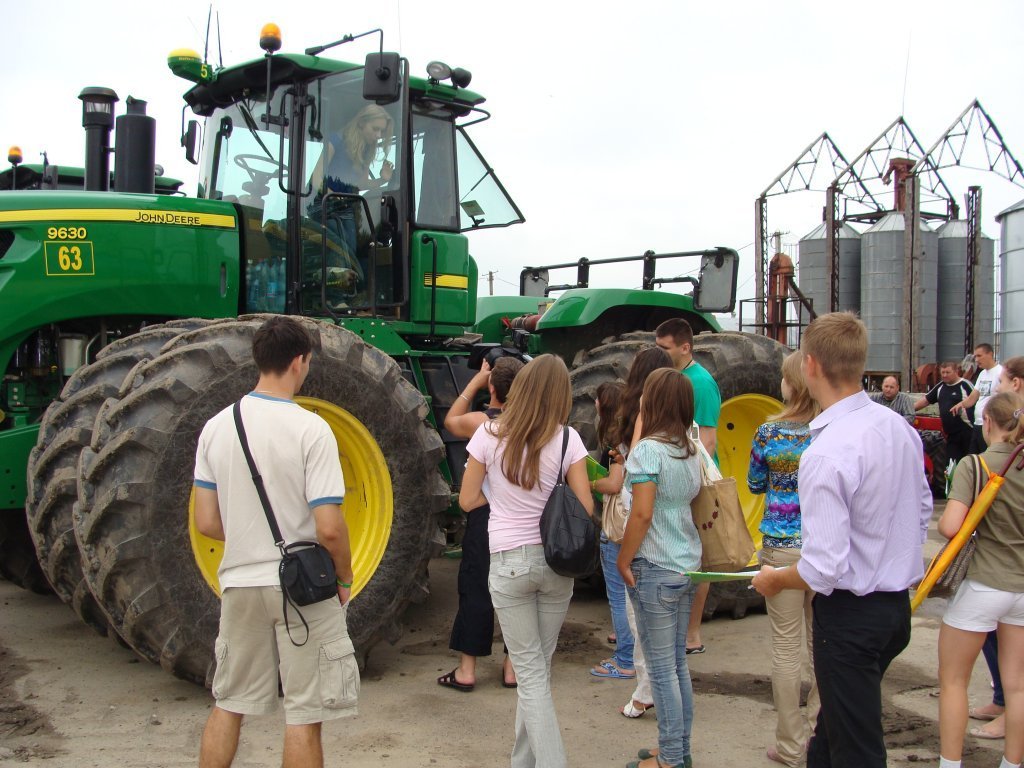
(382, 80)
(533, 282)
(191, 142)
(716, 283)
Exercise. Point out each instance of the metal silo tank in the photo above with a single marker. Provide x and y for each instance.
(952, 295)
(881, 294)
(813, 277)
(1011, 274)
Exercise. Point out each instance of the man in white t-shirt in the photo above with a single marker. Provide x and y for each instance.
(296, 454)
(984, 388)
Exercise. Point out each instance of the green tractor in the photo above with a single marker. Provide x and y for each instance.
(128, 317)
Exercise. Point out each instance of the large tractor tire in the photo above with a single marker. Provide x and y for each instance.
(66, 429)
(748, 370)
(18, 562)
(155, 575)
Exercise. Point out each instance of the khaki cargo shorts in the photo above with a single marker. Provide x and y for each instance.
(320, 679)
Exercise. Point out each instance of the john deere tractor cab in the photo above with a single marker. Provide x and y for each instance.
(335, 191)
(347, 180)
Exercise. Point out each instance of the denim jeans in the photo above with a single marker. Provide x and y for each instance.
(991, 651)
(616, 589)
(662, 601)
(531, 601)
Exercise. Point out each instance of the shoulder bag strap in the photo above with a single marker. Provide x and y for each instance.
(561, 461)
(257, 479)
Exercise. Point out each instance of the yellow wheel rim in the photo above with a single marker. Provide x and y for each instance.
(368, 505)
(737, 424)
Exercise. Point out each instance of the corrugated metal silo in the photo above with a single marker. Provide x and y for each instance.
(952, 297)
(1011, 280)
(881, 294)
(813, 277)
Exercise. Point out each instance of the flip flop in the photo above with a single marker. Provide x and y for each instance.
(979, 732)
(698, 649)
(976, 714)
(632, 711)
(449, 681)
(608, 669)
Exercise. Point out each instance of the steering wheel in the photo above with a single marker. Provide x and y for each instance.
(258, 177)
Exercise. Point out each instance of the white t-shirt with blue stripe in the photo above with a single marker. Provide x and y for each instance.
(297, 456)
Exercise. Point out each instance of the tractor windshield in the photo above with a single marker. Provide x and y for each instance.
(349, 153)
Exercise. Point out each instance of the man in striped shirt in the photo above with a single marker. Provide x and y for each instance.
(865, 508)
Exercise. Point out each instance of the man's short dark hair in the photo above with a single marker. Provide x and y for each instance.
(279, 341)
(678, 329)
(985, 347)
(505, 369)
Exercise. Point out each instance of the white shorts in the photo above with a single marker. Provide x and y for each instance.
(977, 608)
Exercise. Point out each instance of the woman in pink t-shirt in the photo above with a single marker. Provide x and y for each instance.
(520, 454)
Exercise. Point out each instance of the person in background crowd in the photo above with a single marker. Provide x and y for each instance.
(984, 388)
(1011, 381)
(660, 547)
(892, 398)
(865, 509)
(774, 464)
(644, 363)
(991, 597)
(473, 627)
(520, 455)
(675, 336)
(957, 427)
(620, 665)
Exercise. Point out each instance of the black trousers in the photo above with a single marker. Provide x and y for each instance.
(473, 628)
(855, 639)
(959, 445)
(978, 444)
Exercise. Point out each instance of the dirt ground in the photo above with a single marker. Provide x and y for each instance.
(71, 698)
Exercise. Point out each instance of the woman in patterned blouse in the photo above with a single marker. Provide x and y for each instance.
(774, 462)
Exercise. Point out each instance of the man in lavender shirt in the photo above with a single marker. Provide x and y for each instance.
(865, 507)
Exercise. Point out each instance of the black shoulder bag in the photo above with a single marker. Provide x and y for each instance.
(307, 570)
(570, 536)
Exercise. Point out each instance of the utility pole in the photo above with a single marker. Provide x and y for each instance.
(490, 283)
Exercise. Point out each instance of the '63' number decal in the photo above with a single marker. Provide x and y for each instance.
(64, 257)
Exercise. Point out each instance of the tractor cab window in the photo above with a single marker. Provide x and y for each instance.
(483, 201)
(471, 197)
(245, 161)
(352, 158)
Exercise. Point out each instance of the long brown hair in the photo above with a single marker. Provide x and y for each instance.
(537, 406)
(800, 407)
(667, 409)
(647, 360)
(609, 395)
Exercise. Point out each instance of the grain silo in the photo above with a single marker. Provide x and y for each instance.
(882, 296)
(1011, 280)
(813, 268)
(952, 291)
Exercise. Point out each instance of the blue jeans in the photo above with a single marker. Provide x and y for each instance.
(616, 589)
(991, 651)
(662, 600)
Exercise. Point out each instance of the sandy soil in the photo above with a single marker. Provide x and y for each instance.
(71, 698)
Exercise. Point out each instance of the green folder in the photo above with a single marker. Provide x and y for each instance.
(699, 576)
(595, 472)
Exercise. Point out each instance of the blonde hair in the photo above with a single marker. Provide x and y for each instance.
(1005, 411)
(537, 406)
(838, 342)
(800, 407)
(361, 151)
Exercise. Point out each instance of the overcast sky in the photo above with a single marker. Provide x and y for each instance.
(616, 127)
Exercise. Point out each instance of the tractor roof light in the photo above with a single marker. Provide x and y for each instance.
(14, 156)
(270, 38)
(98, 107)
(438, 71)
